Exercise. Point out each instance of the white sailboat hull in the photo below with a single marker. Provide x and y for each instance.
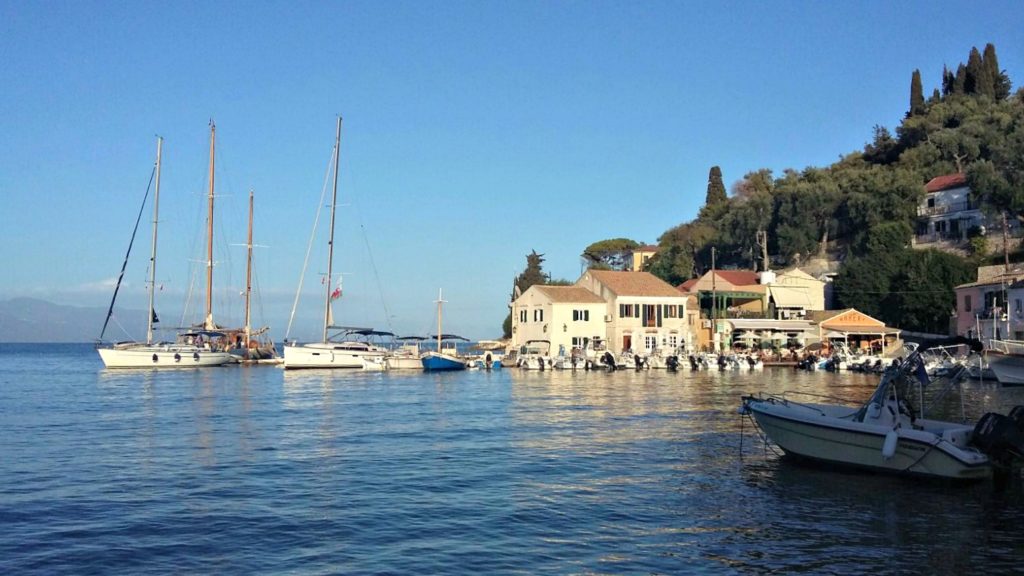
(329, 355)
(168, 356)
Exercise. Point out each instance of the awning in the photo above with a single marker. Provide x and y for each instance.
(790, 296)
(767, 324)
(860, 330)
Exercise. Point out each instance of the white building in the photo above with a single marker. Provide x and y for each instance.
(564, 316)
(642, 311)
(634, 311)
(947, 212)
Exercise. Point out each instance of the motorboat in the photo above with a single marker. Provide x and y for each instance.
(407, 356)
(1006, 360)
(888, 433)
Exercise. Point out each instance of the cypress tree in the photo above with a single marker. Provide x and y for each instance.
(716, 190)
(974, 80)
(1000, 81)
(916, 94)
(947, 81)
(960, 80)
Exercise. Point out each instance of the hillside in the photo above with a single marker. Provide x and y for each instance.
(862, 210)
(32, 320)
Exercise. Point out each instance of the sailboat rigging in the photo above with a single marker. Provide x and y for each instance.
(326, 353)
(147, 354)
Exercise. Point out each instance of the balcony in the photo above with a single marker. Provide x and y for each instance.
(946, 208)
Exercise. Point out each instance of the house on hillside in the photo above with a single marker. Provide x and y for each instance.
(947, 215)
(993, 305)
(640, 256)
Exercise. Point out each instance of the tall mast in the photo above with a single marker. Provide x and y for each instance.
(208, 324)
(248, 278)
(152, 256)
(439, 302)
(330, 244)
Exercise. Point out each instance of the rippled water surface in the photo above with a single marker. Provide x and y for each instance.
(257, 470)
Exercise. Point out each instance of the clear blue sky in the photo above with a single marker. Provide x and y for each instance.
(474, 133)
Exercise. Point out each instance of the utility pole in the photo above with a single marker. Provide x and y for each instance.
(714, 292)
(1006, 246)
(762, 243)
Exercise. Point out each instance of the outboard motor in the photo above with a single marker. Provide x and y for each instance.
(672, 363)
(1017, 415)
(999, 437)
(638, 362)
(609, 361)
(721, 362)
(693, 363)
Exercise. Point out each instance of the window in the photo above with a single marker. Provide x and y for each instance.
(967, 303)
(575, 315)
(581, 315)
(650, 342)
(522, 315)
(538, 315)
(629, 311)
(586, 315)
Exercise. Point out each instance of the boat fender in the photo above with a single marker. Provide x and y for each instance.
(195, 356)
(177, 357)
(155, 358)
(889, 446)
(874, 410)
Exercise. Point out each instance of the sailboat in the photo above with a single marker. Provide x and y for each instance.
(149, 354)
(326, 353)
(444, 359)
(252, 345)
(243, 344)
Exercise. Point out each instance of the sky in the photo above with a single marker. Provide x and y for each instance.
(474, 133)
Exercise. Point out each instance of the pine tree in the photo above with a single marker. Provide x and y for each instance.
(716, 190)
(916, 94)
(533, 274)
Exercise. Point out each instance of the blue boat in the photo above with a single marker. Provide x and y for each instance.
(437, 362)
(444, 359)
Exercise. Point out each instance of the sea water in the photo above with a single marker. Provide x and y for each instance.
(257, 470)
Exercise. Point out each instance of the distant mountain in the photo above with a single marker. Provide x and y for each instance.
(33, 320)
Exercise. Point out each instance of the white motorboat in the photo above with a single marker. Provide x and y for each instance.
(887, 433)
(1006, 361)
(407, 356)
(535, 355)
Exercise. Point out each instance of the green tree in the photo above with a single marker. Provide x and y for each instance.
(1000, 81)
(715, 200)
(533, 274)
(916, 94)
(611, 254)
